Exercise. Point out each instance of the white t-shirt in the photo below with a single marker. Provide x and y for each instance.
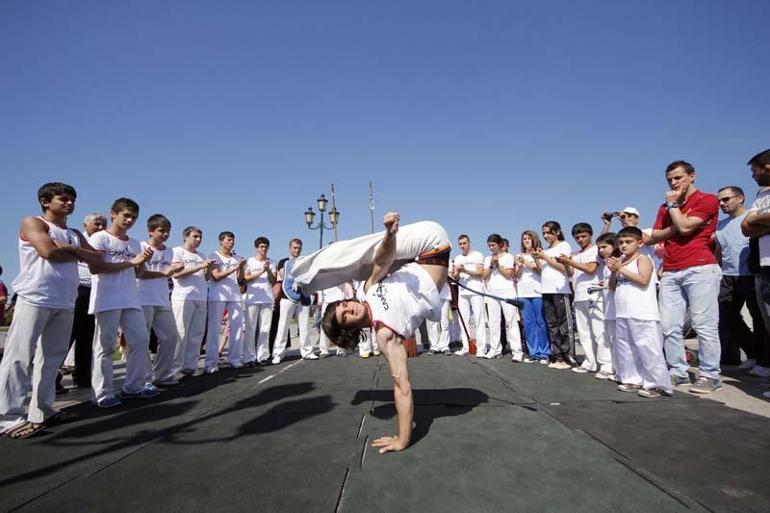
(192, 287)
(475, 262)
(227, 288)
(154, 292)
(497, 283)
(528, 284)
(403, 300)
(114, 291)
(553, 281)
(582, 281)
(609, 295)
(259, 291)
(761, 205)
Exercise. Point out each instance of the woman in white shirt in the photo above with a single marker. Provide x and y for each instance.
(528, 271)
(557, 295)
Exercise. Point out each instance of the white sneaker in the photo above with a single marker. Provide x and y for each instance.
(561, 366)
(376, 352)
(212, 370)
(544, 361)
(311, 356)
(276, 360)
(602, 375)
(762, 372)
(323, 355)
(766, 394)
(517, 358)
(460, 352)
(748, 364)
(579, 370)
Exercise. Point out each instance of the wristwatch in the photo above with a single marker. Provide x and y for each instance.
(674, 204)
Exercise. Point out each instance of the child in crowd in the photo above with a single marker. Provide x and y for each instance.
(557, 296)
(225, 294)
(589, 312)
(115, 302)
(498, 273)
(607, 244)
(638, 338)
(528, 290)
(260, 277)
(154, 295)
(188, 300)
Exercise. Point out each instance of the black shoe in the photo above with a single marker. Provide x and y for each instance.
(60, 389)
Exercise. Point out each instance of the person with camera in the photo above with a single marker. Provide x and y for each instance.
(629, 216)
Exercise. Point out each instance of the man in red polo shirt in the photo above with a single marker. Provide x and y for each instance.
(691, 275)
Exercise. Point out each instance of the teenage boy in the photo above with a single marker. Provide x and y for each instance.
(686, 224)
(188, 300)
(589, 312)
(115, 302)
(47, 287)
(467, 269)
(498, 276)
(224, 293)
(260, 277)
(156, 303)
(638, 337)
(288, 310)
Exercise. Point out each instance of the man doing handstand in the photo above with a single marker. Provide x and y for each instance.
(396, 303)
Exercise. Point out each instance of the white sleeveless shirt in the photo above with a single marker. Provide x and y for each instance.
(403, 300)
(45, 283)
(633, 301)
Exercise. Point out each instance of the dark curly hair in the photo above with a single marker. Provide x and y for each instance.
(346, 338)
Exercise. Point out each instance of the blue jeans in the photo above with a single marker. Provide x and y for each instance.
(535, 331)
(698, 288)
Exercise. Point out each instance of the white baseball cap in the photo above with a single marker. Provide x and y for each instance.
(631, 210)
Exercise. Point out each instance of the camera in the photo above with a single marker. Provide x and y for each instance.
(609, 215)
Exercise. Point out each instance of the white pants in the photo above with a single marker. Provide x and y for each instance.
(352, 259)
(369, 343)
(465, 304)
(609, 335)
(512, 334)
(288, 311)
(259, 319)
(639, 354)
(160, 319)
(190, 319)
(438, 331)
(38, 333)
(134, 326)
(589, 318)
(235, 315)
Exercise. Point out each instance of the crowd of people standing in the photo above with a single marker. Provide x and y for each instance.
(629, 296)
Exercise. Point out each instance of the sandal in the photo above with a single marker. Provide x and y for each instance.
(25, 430)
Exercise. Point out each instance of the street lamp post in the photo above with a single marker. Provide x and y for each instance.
(334, 217)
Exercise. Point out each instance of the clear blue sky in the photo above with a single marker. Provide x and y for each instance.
(486, 116)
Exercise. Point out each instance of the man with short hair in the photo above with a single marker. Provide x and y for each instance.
(289, 310)
(737, 286)
(757, 224)
(503, 317)
(115, 303)
(42, 321)
(686, 223)
(260, 277)
(468, 269)
(225, 294)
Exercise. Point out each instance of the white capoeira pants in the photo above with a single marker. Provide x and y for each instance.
(438, 331)
(288, 311)
(134, 326)
(353, 259)
(39, 334)
(190, 319)
(475, 303)
(512, 334)
(259, 319)
(160, 319)
(589, 320)
(639, 354)
(609, 335)
(235, 317)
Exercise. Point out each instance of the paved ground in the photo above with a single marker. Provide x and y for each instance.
(490, 435)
